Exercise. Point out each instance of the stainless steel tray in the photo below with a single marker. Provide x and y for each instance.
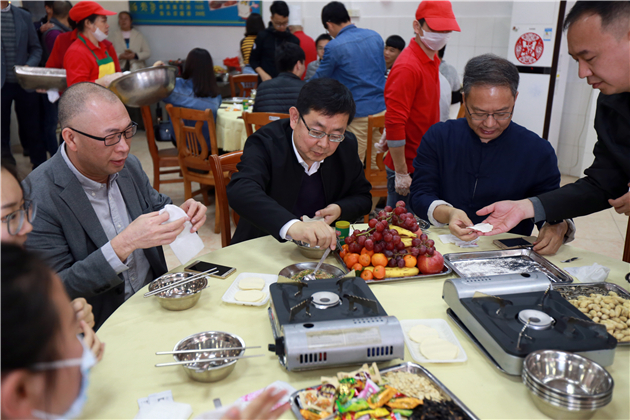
(410, 367)
(508, 261)
(40, 78)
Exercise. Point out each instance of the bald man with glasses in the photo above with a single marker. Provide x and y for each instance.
(98, 224)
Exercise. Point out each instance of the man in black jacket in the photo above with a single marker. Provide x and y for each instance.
(598, 34)
(306, 165)
(263, 56)
(281, 93)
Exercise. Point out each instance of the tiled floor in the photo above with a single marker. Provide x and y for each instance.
(602, 233)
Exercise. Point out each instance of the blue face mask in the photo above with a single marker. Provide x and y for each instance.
(86, 362)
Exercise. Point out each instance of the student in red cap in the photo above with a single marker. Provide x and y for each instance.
(91, 58)
(412, 94)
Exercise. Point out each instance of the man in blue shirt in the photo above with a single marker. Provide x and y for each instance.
(355, 58)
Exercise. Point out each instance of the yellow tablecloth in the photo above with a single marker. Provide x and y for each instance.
(231, 133)
(141, 327)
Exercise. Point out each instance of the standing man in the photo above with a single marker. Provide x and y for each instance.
(355, 58)
(306, 42)
(412, 94)
(598, 34)
(263, 56)
(20, 46)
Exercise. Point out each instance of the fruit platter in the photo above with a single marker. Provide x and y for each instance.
(392, 248)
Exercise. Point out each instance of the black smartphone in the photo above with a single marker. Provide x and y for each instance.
(512, 243)
(201, 266)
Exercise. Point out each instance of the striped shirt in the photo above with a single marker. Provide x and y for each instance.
(246, 47)
(8, 44)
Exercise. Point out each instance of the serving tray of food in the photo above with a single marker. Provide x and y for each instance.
(604, 303)
(507, 261)
(404, 391)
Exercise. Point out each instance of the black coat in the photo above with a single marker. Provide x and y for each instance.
(609, 174)
(264, 51)
(278, 94)
(265, 189)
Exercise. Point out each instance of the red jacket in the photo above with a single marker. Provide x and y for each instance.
(81, 65)
(62, 43)
(308, 46)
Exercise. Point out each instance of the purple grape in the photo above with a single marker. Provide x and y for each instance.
(401, 263)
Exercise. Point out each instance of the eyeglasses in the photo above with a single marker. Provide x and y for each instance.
(15, 220)
(280, 24)
(114, 138)
(498, 116)
(318, 134)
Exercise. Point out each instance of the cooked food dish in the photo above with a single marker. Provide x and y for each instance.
(251, 283)
(319, 275)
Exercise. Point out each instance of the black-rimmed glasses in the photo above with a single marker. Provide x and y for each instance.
(114, 138)
(15, 220)
(482, 116)
(318, 134)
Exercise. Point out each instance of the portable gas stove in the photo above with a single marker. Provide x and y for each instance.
(512, 315)
(331, 322)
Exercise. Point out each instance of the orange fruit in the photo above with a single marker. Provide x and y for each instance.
(345, 247)
(367, 275)
(379, 259)
(357, 267)
(365, 260)
(365, 251)
(379, 272)
(343, 253)
(351, 259)
(410, 261)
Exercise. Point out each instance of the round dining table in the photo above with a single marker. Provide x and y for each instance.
(140, 327)
(230, 128)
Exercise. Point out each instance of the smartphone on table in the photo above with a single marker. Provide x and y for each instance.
(513, 243)
(202, 266)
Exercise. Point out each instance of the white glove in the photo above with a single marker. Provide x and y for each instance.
(403, 182)
(381, 146)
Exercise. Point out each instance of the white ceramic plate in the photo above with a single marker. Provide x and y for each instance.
(445, 333)
(228, 296)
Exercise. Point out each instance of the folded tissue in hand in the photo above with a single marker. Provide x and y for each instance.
(187, 244)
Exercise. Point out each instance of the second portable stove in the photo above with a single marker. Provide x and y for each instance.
(331, 322)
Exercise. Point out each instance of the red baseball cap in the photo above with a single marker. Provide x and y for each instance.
(438, 15)
(83, 9)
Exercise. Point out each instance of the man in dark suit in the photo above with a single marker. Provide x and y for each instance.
(304, 166)
(97, 222)
(20, 46)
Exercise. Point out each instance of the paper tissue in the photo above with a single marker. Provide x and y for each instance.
(187, 244)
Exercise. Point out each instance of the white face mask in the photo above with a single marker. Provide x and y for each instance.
(435, 40)
(100, 35)
(86, 362)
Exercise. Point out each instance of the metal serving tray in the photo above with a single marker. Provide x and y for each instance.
(410, 367)
(40, 77)
(508, 261)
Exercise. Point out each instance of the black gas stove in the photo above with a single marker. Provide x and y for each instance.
(331, 322)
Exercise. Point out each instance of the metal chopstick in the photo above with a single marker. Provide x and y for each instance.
(180, 282)
(188, 362)
(205, 350)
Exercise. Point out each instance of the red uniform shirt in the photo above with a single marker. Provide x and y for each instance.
(62, 43)
(412, 98)
(80, 63)
(308, 46)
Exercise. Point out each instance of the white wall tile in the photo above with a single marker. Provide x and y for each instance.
(500, 51)
(501, 32)
(469, 31)
(484, 32)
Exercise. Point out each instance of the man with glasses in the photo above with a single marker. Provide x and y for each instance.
(98, 224)
(306, 165)
(263, 56)
(463, 165)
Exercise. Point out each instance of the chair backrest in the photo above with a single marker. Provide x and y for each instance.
(245, 83)
(462, 110)
(148, 127)
(255, 120)
(220, 165)
(193, 151)
(377, 177)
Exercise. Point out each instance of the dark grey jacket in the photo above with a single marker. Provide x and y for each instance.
(28, 50)
(278, 94)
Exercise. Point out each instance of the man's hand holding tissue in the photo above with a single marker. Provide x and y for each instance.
(196, 213)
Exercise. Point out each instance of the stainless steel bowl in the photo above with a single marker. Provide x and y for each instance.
(181, 297)
(145, 86)
(308, 251)
(217, 369)
(41, 78)
(296, 268)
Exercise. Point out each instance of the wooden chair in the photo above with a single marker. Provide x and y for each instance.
(245, 84)
(193, 151)
(462, 111)
(221, 166)
(162, 158)
(377, 177)
(255, 120)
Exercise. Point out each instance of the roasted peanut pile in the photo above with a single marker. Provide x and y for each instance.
(611, 311)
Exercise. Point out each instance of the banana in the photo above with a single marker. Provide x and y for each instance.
(406, 241)
(397, 272)
(403, 232)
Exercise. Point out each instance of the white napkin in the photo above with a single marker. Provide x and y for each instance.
(452, 239)
(307, 219)
(187, 244)
(53, 95)
(595, 273)
(162, 406)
